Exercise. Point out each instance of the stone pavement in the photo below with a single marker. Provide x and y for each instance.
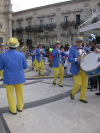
(49, 109)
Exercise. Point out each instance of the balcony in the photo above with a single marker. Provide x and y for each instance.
(77, 23)
(19, 30)
(39, 28)
(50, 27)
(29, 29)
(66, 25)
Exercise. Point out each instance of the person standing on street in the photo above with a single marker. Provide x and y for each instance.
(80, 77)
(13, 63)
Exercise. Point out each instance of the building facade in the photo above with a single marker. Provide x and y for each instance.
(53, 22)
(5, 20)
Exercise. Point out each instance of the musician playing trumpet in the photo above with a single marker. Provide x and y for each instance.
(80, 77)
(40, 55)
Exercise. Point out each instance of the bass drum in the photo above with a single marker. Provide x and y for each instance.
(91, 64)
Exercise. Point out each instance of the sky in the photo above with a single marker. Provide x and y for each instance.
(18, 5)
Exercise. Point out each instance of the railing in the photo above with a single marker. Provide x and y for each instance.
(29, 29)
(66, 25)
(50, 27)
(19, 30)
(39, 28)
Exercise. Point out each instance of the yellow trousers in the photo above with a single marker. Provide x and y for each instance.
(59, 71)
(81, 81)
(2, 74)
(41, 67)
(36, 65)
(19, 89)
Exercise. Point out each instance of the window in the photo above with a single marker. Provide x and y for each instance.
(20, 25)
(78, 19)
(51, 20)
(1, 40)
(66, 19)
(30, 23)
(42, 40)
(41, 22)
(29, 36)
(51, 41)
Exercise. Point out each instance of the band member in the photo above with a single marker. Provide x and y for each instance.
(2, 50)
(40, 55)
(80, 77)
(33, 53)
(59, 57)
(13, 63)
(93, 80)
(98, 51)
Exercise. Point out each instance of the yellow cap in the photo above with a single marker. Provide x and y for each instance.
(79, 38)
(58, 42)
(2, 44)
(13, 42)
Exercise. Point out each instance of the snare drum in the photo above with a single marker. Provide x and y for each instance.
(91, 64)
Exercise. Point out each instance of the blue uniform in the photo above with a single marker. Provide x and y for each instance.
(74, 53)
(57, 55)
(40, 55)
(13, 63)
(33, 55)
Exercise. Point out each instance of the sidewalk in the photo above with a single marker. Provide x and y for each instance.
(49, 109)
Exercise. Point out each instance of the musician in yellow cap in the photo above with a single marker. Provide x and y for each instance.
(59, 56)
(40, 55)
(13, 63)
(2, 50)
(33, 53)
(80, 77)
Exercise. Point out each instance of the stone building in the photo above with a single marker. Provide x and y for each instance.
(5, 20)
(53, 22)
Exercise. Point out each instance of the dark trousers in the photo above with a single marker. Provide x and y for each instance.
(99, 81)
(93, 82)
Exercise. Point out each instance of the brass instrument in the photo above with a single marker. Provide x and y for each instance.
(83, 53)
(24, 49)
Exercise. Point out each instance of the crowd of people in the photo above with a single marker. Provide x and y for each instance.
(13, 63)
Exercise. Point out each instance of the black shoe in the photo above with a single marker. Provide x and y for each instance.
(71, 96)
(54, 83)
(33, 68)
(98, 94)
(84, 101)
(12, 112)
(19, 110)
(39, 73)
(60, 85)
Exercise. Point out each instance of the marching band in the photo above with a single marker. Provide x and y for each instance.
(13, 61)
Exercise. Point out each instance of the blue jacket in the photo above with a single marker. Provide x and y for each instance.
(39, 55)
(13, 63)
(34, 55)
(57, 54)
(75, 66)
